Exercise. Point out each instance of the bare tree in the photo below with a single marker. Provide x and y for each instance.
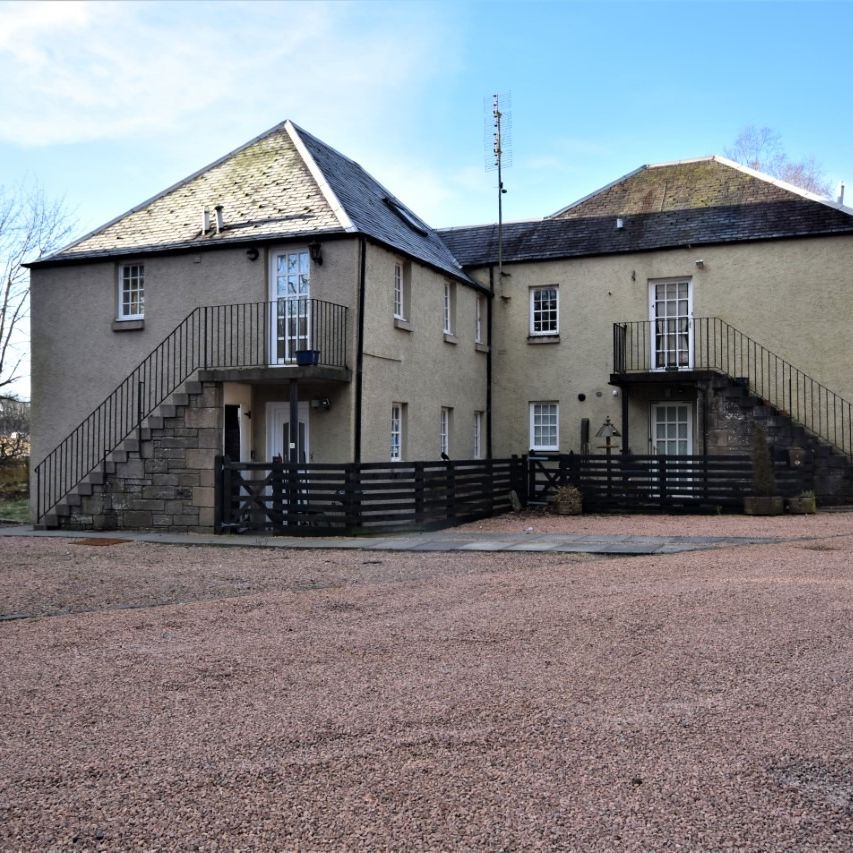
(14, 430)
(761, 149)
(30, 226)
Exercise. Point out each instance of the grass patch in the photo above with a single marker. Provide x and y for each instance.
(15, 509)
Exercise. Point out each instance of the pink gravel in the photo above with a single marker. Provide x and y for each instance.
(168, 697)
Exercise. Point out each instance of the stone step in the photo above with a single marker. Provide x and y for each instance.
(73, 499)
(62, 510)
(179, 399)
(192, 387)
(166, 410)
(84, 488)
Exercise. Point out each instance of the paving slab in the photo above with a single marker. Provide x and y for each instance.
(622, 544)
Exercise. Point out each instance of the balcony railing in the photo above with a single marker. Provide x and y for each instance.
(256, 334)
(711, 344)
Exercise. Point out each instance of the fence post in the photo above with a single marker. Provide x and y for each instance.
(419, 492)
(276, 504)
(352, 507)
(450, 493)
(524, 471)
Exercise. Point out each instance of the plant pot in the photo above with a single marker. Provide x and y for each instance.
(763, 505)
(307, 357)
(567, 508)
(802, 506)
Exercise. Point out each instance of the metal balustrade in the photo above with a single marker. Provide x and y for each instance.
(254, 334)
(711, 344)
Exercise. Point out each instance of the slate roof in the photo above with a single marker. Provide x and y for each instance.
(547, 239)
(376, 212)
(284, 183)
(685, 184)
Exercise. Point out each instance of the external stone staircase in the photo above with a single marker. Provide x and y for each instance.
(734, 411)
(159, 477)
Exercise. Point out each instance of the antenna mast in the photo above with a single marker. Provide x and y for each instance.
(499, 153)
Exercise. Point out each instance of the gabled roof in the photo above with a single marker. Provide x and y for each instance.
(549, 239)
(685, 185)
(283, 184)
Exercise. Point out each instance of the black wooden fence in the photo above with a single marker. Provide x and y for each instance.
(648, 483)
(317, 499)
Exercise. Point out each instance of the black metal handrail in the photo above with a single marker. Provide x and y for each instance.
(709, 343)
(254, 334)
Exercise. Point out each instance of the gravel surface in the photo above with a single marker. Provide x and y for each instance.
(169, 697)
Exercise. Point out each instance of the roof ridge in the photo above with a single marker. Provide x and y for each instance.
(317, 173)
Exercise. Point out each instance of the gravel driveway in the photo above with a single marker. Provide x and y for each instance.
(166, 697)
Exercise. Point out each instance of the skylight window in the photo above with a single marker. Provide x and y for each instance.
(407, 217)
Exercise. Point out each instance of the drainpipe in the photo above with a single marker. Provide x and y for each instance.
(359, 344)
(489, 363)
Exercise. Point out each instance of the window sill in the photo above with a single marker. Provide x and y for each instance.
(450, 339)
(128, 325)
(400, 323)
(543, 339)
(481, 347)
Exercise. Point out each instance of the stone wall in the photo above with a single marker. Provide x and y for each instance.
(167, 482)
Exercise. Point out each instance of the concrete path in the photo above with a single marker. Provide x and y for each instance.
(441, 540)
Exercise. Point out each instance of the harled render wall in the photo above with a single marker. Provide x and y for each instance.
(793, 296)
(77, 356)
(416, 364)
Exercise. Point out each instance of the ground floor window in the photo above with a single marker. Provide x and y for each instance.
(544, 426)
(444, 433)
(397, 410)
(478, 435)
(672, 428)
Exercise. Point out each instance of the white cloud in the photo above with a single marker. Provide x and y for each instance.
(81, 72)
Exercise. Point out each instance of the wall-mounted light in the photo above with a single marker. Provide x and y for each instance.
(323, 403)
(315, 250)
(252, 254)
(248, 415)
(700, 264)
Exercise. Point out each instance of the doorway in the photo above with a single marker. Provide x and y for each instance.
(279, 433)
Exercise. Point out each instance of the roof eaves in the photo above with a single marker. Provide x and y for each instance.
(58, 259)
(317, 173)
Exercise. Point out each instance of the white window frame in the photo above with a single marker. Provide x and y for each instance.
(448, 320)
(478, 320)
(445, 426)
(396, 453)
(478, 435)
(536, 412)
(399, 294)
(126, 276)
(536, 314)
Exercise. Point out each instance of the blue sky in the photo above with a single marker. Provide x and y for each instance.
(105, 104)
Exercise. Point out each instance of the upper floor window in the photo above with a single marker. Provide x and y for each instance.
(544, 310)
(449, 308)
(480, 321)
(402, 287)
(131, 292)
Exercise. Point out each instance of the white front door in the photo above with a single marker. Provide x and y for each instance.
(672, 429)
(290, 291)
(279, 434)
(671, 316)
